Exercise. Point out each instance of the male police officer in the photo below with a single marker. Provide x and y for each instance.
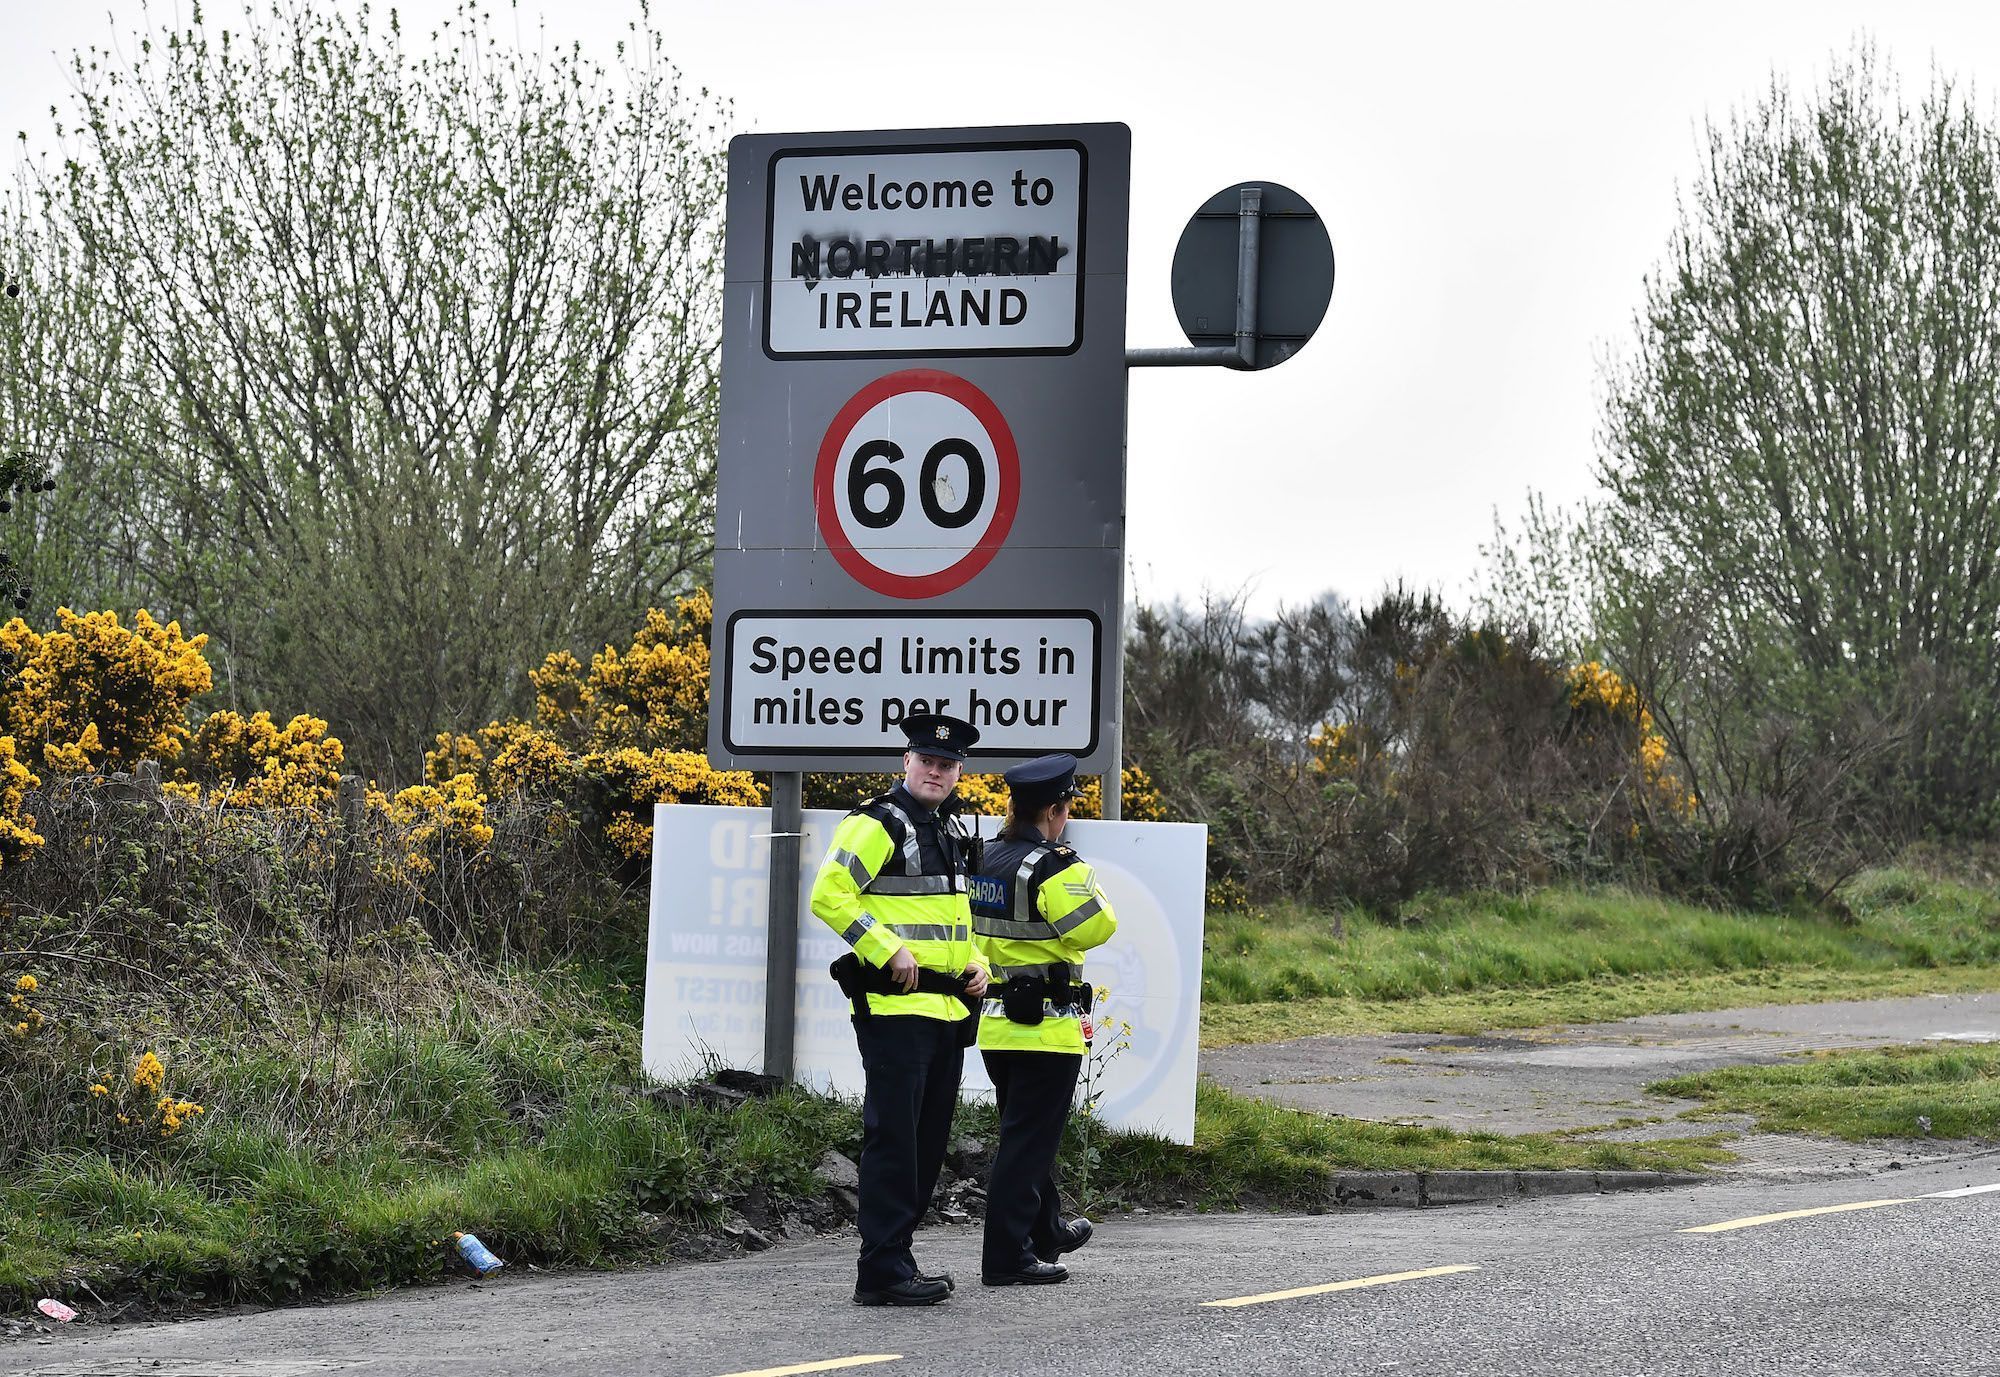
(894, 887)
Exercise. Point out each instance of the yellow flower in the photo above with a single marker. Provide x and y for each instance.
(149, 1074)
(20, 1030)
(26, 984)
(254, 763)
(100, 1089)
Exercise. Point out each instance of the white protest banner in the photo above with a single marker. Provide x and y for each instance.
(705, 961)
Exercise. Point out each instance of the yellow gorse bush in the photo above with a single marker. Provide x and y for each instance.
(454, 754)
(435, 816)
(608, 743)
(97, 695)
(1336, 749)
(635, 780)
(652, 694)
(1595, 689)
(533, 762)
(143, 1103)
(18, 837)
(254, 763)
(630, 730)
(24, 1019)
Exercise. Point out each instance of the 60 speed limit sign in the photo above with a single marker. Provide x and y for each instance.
(917, 483)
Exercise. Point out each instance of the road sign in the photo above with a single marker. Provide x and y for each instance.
(933, 249)
(920, 493)
(917, 483)
(1294, 271)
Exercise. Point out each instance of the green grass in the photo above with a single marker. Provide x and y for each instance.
(1247, 1152)
(269, 1199)
(333, 1162)
(1860, 1095)
(351, 1172)
(1462, 964)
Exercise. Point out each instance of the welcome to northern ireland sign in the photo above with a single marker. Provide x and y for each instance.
(925, 253)
(920, 492)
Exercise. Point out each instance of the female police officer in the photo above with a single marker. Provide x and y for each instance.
(1036, 908)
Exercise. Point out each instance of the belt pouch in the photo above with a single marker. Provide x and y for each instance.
(1022, 1001)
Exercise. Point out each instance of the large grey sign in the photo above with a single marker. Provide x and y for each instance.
(920, 501)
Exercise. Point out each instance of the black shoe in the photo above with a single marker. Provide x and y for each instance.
(945, 1277)
(1028, 1274)
(915, 1291)
(1075, 1234)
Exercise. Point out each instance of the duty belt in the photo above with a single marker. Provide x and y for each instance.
(857, 980)
(1024, 995)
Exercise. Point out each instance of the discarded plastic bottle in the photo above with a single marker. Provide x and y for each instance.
(476, 1254)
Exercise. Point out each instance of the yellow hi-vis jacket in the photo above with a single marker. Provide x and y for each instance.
(894, 878)
(1037, 908)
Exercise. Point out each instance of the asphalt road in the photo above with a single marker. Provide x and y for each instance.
(1580, 1284)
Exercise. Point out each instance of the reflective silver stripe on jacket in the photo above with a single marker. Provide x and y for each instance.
(1024, 896)
(852, 863)
(917, 884)
(1078, 916)
(913, 860)
(1036, 931)
(994, 1008)
(852, 933)
(932, 932)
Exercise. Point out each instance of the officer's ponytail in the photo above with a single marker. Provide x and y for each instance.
(1017, 823)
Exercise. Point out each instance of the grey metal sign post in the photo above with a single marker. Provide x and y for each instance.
(920, 500)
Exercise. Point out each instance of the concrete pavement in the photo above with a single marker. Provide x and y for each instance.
(1590, 1079)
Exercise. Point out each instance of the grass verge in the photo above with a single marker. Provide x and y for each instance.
(1462, 964)
(1950, 1092)
(351, 1171)
(1589, 1001)
(1247, 1152)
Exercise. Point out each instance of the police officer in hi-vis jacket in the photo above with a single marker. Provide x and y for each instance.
(1036, 909)
(894, 886)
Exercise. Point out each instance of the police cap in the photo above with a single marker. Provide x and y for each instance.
(933, 733)
(1043, 780)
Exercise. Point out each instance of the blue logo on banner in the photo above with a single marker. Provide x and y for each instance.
(991, 892)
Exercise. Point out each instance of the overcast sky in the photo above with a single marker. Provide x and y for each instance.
(1497, 181)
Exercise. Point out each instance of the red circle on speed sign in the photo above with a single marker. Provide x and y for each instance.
(917, 483)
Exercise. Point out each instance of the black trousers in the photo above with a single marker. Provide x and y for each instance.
(1023, 1206)
(912, 1065)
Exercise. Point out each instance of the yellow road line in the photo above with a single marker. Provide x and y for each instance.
(1354, 1285)
(825, 1365)
(1756, 1219)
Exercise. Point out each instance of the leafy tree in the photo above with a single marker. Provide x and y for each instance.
(398, 369)
(1802, 451)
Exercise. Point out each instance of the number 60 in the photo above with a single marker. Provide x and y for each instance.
(861, 478)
